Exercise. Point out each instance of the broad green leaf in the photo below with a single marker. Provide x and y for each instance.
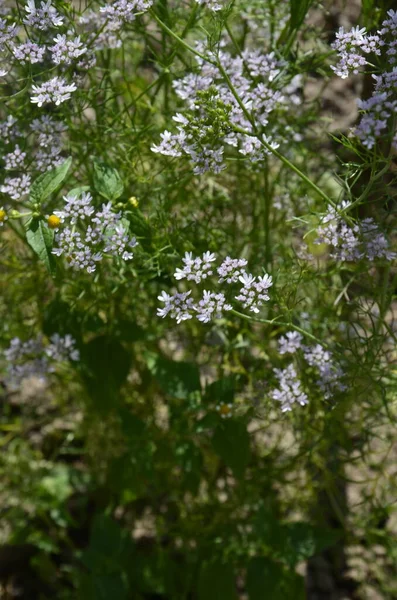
(216, 581)
(41, 239)
(107, 181)
(48, 182)
(177, 379)
(231, 442)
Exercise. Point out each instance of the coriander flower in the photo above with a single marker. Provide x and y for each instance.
(290, 343)
(43, 17)
(254, 291)
(56, 90)
(289, 391)
(29, 52)
(196, 269)
(178, 306)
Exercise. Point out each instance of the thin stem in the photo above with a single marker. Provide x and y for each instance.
(281, 323)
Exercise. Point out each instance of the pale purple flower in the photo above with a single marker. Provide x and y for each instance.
(213, 5)
(254, 291)
(211, 306)
(29, 52)
(7, 33)
(289, 391)
(179, 306)
(15, 159)
(56, 91)
(231, 269)
(66, 50)
(42, 17)
(16, 187)
(290, 343)
(196, 269)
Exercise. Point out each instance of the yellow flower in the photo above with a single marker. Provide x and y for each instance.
(53, 222)
(3, 215)
(134, 201)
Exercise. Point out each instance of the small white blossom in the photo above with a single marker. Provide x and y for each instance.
(213, 5)
(42, 17)
(211, 306)
(56, 90)
(289, 391)
(16, 187)
(290, 343)
(15, 159)
(66, 51)
(179, 306)
(196, 269)
(254, 291)
(231, 269)
(29, 52)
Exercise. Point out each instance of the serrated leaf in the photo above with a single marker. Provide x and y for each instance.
(48, 182)
(107, 181)
(40, 238)
(231, 442)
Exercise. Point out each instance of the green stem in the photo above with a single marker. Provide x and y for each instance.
(281, 323)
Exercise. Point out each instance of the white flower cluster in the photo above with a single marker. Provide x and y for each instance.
(213, 5)
(121, 11)
(35, 358)
(353, 242)
(351, 45)
(15, 159)
(289, 390)
(259, 98)
(29, 52)
(88, 235)
(56, 90)
(16, 187)
(48, 142)
(66, 51)
(181, 306)
(7, 33)
(42, 17)
(330, 374)
(382, 105)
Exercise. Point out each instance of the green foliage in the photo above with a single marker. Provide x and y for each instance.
(232, 443)
(40, 238)
(107, 181)
(47, 183)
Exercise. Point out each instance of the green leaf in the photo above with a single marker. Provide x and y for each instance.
(48, 182)
(232, 443)
(268, 580)
(107, 364)
(41, 239)
(221, 391)
(298, 10)
(107, 181)
(299, 541)
(216, 581)
(177, 379)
